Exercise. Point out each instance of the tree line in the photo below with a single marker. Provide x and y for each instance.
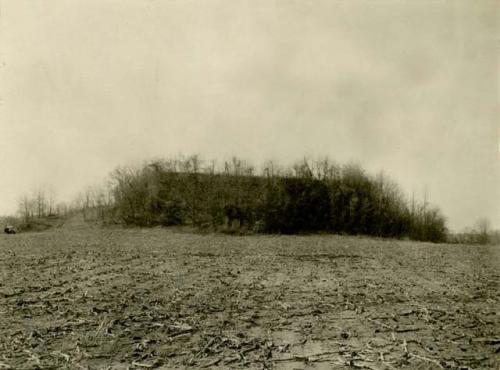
(309, 196)
(40, 209)
(37, 207)
(480, 233)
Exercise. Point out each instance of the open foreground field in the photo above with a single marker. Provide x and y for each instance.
(82, 297)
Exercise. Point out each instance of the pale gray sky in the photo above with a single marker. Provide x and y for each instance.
(410, 87)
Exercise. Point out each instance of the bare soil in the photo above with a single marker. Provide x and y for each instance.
(83, 297)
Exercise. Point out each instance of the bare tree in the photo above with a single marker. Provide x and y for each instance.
(40, 200)
(26, 207)
(51, 200)
(483, 229)
(61, 209)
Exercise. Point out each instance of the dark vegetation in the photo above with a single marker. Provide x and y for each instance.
(9, 229)
(235, 198)
(307, 197)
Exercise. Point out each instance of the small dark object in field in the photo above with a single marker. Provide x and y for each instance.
(344, 334)
(9, 230)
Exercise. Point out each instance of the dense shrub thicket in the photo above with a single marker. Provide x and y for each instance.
(308, 197)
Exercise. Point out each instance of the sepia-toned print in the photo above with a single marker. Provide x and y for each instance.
(236, 184)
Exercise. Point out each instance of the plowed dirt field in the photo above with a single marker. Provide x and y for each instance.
(87, 297)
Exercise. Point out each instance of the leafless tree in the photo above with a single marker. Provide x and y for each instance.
(483, 226)
(51, 200)
(26, 207)
(40, 200)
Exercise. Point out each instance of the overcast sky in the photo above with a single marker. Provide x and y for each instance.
(410, 87)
